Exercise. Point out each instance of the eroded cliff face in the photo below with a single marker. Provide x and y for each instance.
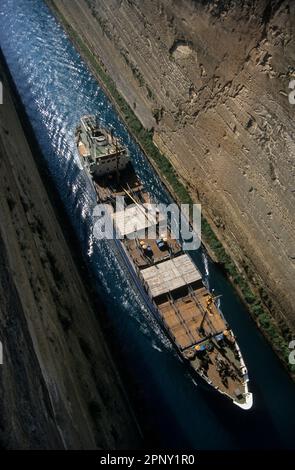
(59, 387)
(212, 78)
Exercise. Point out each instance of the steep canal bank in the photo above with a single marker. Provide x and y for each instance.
(52, 397)
(56, 89)
(247, 283)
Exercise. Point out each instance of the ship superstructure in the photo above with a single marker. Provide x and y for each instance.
(99, 149)
(170, 283)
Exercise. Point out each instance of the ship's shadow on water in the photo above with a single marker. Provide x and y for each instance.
(56, 89)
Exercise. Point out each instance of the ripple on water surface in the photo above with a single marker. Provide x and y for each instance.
(57, 89)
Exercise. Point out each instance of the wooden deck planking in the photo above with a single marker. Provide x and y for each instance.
(138, 256)
(185, 317)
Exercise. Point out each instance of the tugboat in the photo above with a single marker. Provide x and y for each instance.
(170, 284)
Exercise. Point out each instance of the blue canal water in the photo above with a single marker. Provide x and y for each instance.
(56, 89)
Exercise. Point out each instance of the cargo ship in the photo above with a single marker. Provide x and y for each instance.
(170, 283)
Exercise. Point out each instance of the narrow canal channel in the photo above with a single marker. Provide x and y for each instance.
(56, 89)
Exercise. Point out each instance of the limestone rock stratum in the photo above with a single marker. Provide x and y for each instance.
(212, 78)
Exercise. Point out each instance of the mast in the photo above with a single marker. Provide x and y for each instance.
(117, 163)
